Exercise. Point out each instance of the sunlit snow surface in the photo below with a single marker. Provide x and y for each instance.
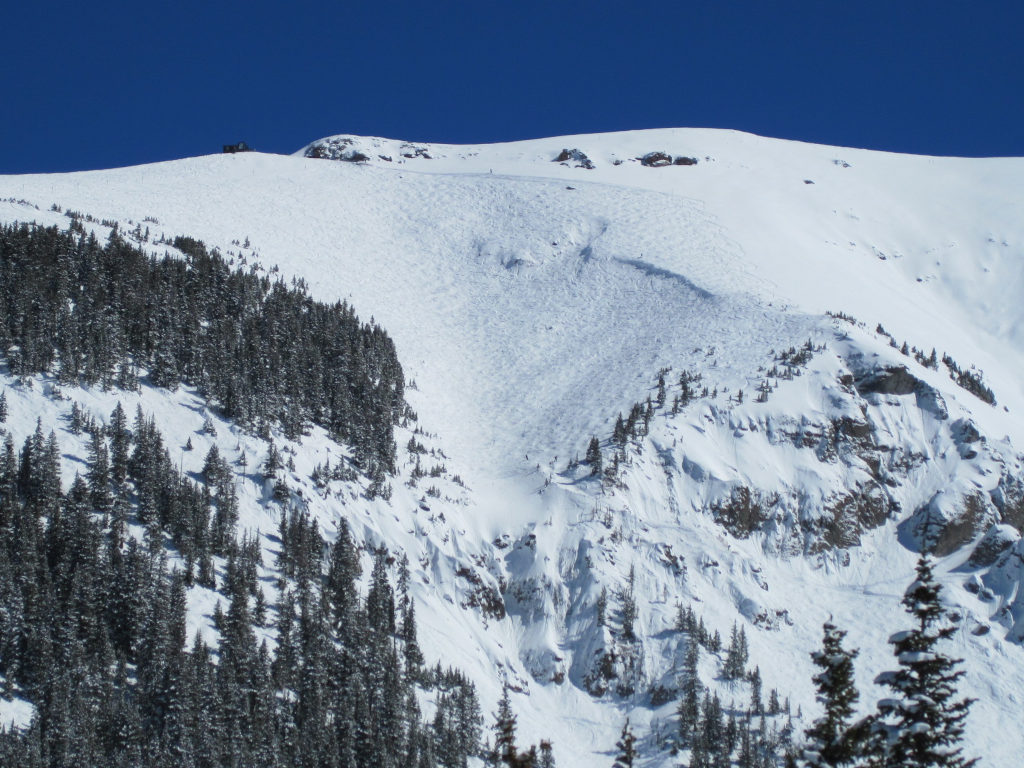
(532, 301)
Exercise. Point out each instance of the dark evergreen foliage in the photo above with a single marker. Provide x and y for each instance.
(629, 607)
(923, 724)
(593, 457)
(262, 350)
(689, 701)
(969, 380)
(505, 753)
(625, 748)
(93, 630)
(736, 656)
(457, 722)
(717, 736)
(505, 732)
(832, 740)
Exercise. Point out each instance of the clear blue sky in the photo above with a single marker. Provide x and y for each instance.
(100, 84)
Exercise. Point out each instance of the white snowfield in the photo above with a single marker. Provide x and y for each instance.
(532, 300)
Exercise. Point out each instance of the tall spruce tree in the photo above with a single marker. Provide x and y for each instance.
(120, 442)
(689, 702)
(831, 740)
(629, 607)
(923, 724)
(737, 655)
(505, 732)
(626, 748)
(99, 474)
(547, 755)
(593, 457)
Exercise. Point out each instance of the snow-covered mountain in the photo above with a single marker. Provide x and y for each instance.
(803, 444)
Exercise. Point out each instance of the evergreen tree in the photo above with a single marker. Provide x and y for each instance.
(923, 724)
(120, 443)
(699, 755)
(737, 654)
(689, 702)
(264, 351)
(412, 654)
(273, 463)
(49, 469)
(380, 600)
(712, 734)
(756, 703)
(342, 576)
(99, 474)
(505, 732)
(732, 733)
(8, 479)
(215, 469)
(831, 741)
(774, 707)
(601, 607)
(626, 746)
(547, 755)
(593, 457)
(714, 642)
(629, 608)
(619, 434)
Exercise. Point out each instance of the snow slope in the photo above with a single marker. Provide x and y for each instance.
(531, 301)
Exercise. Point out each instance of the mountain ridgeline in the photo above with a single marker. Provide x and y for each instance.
(265, 352)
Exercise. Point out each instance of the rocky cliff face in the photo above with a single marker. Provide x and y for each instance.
(852, 444)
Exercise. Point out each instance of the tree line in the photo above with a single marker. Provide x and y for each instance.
(93, 628)
(262, 350)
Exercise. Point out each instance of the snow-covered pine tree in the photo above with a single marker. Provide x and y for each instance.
(547, 755)
(629, 608)
(712, 735)
(273, 463)
(504, 732)
(831, 740)
(214, 467)
(626, 748)
(380, 600)
(593, 457)
(619, 432)
(756, 702)
(689, 701)
(99, 474)
(737, 655)
(923, 724)
(774, 707)
(412, 654)
(602, 606)
(120, 444)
